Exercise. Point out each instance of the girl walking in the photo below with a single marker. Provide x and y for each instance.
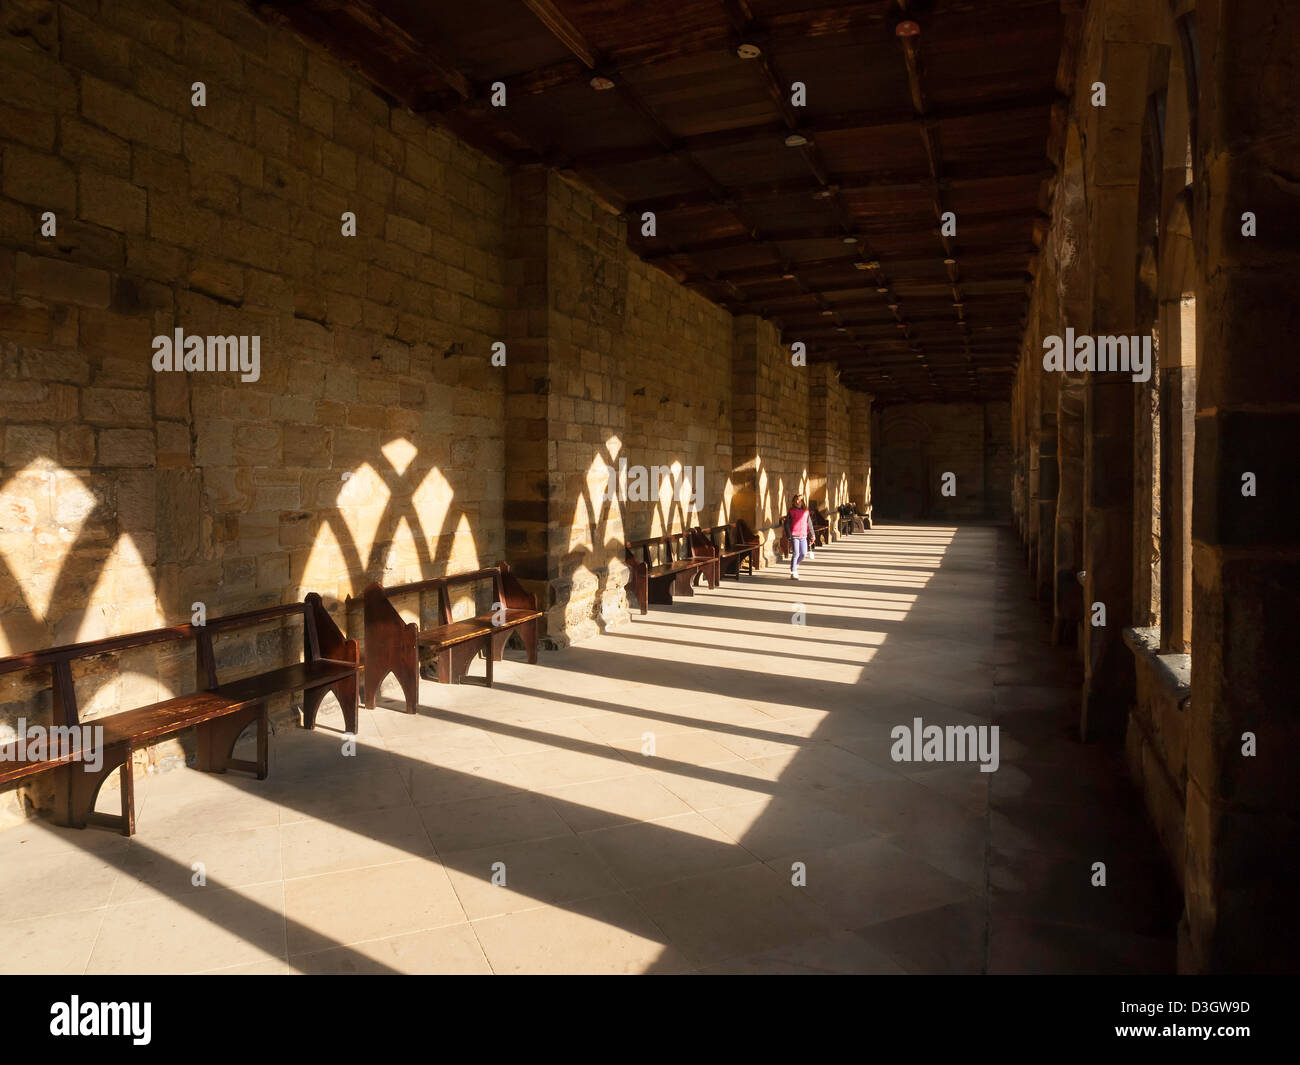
(799, 527)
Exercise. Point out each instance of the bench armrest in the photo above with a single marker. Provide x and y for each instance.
(322, 638)
(635, 564)
(513, 594)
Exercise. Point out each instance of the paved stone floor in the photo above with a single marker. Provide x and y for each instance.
(771, 747)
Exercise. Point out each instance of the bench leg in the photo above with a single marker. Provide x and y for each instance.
(216, 740)
(661, 590)
(528, 636)
(345, 691)
(408, 676)
(454, 662)
(398, 654)
(498, 641)
(76, 790)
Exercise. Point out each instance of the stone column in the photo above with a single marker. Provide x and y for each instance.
(1108, 684)
(1033, 420)
(744, 420)
(819, 472)
(1243, 812)
(1048, 486)
(1067, 593)
(565, 404)
(860, 450)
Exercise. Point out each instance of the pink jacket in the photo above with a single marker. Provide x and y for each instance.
(800, 523)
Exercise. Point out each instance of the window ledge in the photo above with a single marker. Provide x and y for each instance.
(1172, 671)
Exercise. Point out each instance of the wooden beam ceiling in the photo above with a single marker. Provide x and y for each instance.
(750, 192)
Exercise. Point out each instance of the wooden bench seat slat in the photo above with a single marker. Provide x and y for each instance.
(456, 632)
(11, 769)
(148, 723)
(286, 679)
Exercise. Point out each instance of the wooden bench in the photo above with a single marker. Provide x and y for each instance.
(393, 645)
(673, 562)
(218, 712)
(733, 545)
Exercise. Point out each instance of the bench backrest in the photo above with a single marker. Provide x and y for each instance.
(321, 639)
(660, 550)
(731, 536)
(506, 589)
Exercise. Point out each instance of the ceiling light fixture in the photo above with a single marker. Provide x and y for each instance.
(748, 50)
(907, 28)
(883, 288)
(601, 83)
(796, 140)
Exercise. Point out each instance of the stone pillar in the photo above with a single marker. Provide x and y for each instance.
(819, 471)
(1048, 486)
(1033, 421)
(860, 450)
(1108, 684)
(565, 404)
(1243, 813)
(1067, 593)
(744, 502)
(528, 374)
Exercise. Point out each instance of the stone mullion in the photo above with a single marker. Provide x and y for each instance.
(1177, 446)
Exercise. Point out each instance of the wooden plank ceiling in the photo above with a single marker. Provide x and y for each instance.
(823, 218)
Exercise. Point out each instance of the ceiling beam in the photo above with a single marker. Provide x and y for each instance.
(845, 122)
(849, 17)
(850, 185)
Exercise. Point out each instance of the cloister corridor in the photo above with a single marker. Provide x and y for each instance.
(771, 747)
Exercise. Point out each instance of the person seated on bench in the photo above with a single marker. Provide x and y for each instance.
(845, 512)
(799, 529)
(821, 529)
(855, 519)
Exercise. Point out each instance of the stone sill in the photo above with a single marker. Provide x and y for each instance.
(1172, 671)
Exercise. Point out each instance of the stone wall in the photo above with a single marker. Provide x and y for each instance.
(829, 439)
(914, 445)
(1129, 494)
(773, 452)
(371, 443)
(387, 436)
(677, 350)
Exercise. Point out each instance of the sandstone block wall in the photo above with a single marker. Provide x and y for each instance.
(914, 445)
(369, 447)
(379, 441)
